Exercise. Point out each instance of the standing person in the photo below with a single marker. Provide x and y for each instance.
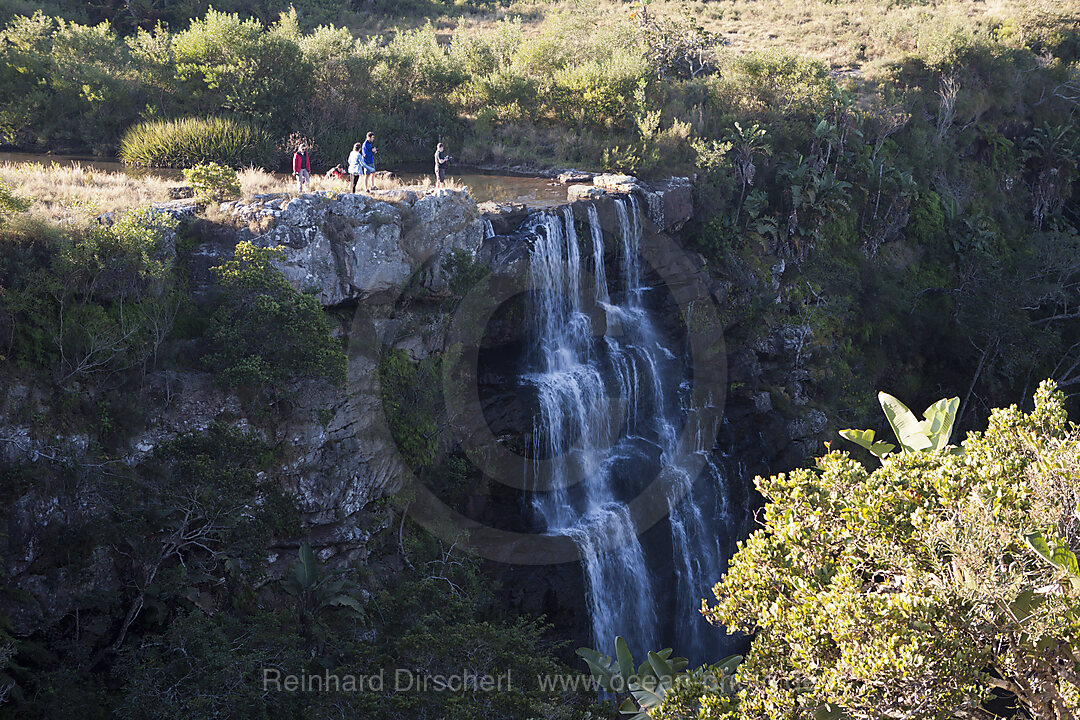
(367, 162)
(441, 158)
(354, 164)
(301, 168)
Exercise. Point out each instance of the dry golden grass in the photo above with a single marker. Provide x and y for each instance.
(256, 181)
(72, 191)
(845, 34)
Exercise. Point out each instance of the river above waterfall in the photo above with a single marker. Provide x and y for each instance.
(484, 186)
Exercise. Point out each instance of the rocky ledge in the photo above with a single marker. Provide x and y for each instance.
(354, 247)
(343, 247)
(669, 203)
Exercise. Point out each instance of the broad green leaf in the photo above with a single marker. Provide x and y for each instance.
(306, 570)
(1037, 542)
(648, 695)
(862, 438)
(601, 667)
(907, 428)
(662, 668)
(626, 660)
(881, 449)
(939, 421)
(347, 601)
(729, 664)
(1064, 558)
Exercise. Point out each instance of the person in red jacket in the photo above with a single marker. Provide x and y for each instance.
(301, 168)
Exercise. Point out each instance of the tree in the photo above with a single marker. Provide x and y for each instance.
(922, 589)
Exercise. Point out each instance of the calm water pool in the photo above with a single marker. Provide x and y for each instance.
(484, 187)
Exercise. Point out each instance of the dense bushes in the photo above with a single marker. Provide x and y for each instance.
(264, 334)
(918, 587)
(87, 304)
(191, 141)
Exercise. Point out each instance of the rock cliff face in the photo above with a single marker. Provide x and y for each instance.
(388, 261)
(358, 247)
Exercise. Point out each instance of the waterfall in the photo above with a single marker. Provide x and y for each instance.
(612, 402)
(489, 229)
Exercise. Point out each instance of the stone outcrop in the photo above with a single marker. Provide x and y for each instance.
(353, 247)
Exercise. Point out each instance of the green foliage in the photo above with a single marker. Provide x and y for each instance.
(87, 303)
(66, 84)
(213, 182)
(317, 592)
(192, 141)
(926, 225)
(265, 335)
(411, 405)
(659, 686)
(10, 202)
(225, 63)
(919, 586)
(928, 435)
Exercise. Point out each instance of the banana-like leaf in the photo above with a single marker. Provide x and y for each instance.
(305, 571)
(862, 438)
(1060, 556)
(909, 431)
(939, 421)
(348, 601)
(865, 439)
(881, 449)
(661, 668)
(1037, 542)
(648, 695)
(1065, 559)
(601, 667)
(626, 660)
(1025, 604)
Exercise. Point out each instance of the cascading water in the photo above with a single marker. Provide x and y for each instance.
(612, 402)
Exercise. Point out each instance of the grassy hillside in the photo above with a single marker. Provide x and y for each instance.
(847, 34)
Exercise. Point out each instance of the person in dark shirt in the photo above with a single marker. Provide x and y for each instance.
(367, 162)
(441, 159)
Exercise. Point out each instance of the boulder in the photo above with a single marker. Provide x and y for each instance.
(584, 192)
(573, 177)
(621, 183)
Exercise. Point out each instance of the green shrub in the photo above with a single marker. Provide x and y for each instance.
(191, 141)
(213, 182)
(10, 202)
(264, 333)
(86, 303)
(410, 401)
(926, 224)
(917, 587)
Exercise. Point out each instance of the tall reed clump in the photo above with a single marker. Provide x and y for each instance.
(193, 141)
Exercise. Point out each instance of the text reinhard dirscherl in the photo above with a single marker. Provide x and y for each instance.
(401, 680)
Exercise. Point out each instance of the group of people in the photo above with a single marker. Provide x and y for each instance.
(361, 163)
